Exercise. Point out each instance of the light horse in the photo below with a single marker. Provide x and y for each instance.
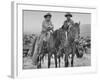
(73, 32)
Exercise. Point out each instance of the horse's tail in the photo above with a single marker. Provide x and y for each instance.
(33, 46)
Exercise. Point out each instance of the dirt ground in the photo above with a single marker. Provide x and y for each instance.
(78, 62)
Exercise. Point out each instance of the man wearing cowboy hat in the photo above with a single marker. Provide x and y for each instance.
(45, 34)
(68, 20)
(47, 24)
(46, 27)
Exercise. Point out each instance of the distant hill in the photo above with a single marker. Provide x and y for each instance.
(85, 30)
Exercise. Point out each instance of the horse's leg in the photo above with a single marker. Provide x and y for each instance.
(39, 62)
(55, 60)
(49, 60)
(66, 60)
(72, 60)
(73, 53)
(42, 58)
(59, 60)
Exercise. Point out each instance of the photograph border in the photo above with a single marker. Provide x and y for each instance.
(16, 69)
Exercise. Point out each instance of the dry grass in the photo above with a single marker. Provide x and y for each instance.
(78, 62)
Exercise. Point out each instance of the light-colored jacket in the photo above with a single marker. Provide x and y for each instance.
(45, 25)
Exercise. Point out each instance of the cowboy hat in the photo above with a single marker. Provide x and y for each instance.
(68, 14)
(48, 14)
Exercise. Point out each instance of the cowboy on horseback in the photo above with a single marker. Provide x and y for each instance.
(73, 34)
(47, 26)
(69, 22)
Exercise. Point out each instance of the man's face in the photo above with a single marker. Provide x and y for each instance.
(68, 17)
(48, 18)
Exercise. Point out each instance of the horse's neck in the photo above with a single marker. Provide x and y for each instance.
(50, 37)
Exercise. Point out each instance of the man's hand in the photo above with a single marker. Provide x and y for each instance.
(50, 28)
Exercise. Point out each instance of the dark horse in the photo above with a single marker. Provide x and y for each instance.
(60, 42)
(73, 33)
(52, 48)
(55, 42)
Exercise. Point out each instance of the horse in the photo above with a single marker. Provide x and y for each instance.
(56, 44)
(60, 39)
(53, 44)
(55, 47)
(52, 48)
(48, 47)
(72, 42)
(42, 54)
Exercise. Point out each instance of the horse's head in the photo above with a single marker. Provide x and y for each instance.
(73, 32)
(76, 31)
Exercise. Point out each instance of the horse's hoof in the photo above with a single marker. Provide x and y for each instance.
(66, 65)
(34, 66)
(72, 66)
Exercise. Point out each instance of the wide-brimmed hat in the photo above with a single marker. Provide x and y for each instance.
(68, 14)
(48, 14)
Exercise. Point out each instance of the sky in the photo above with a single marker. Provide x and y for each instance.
(33, 20)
